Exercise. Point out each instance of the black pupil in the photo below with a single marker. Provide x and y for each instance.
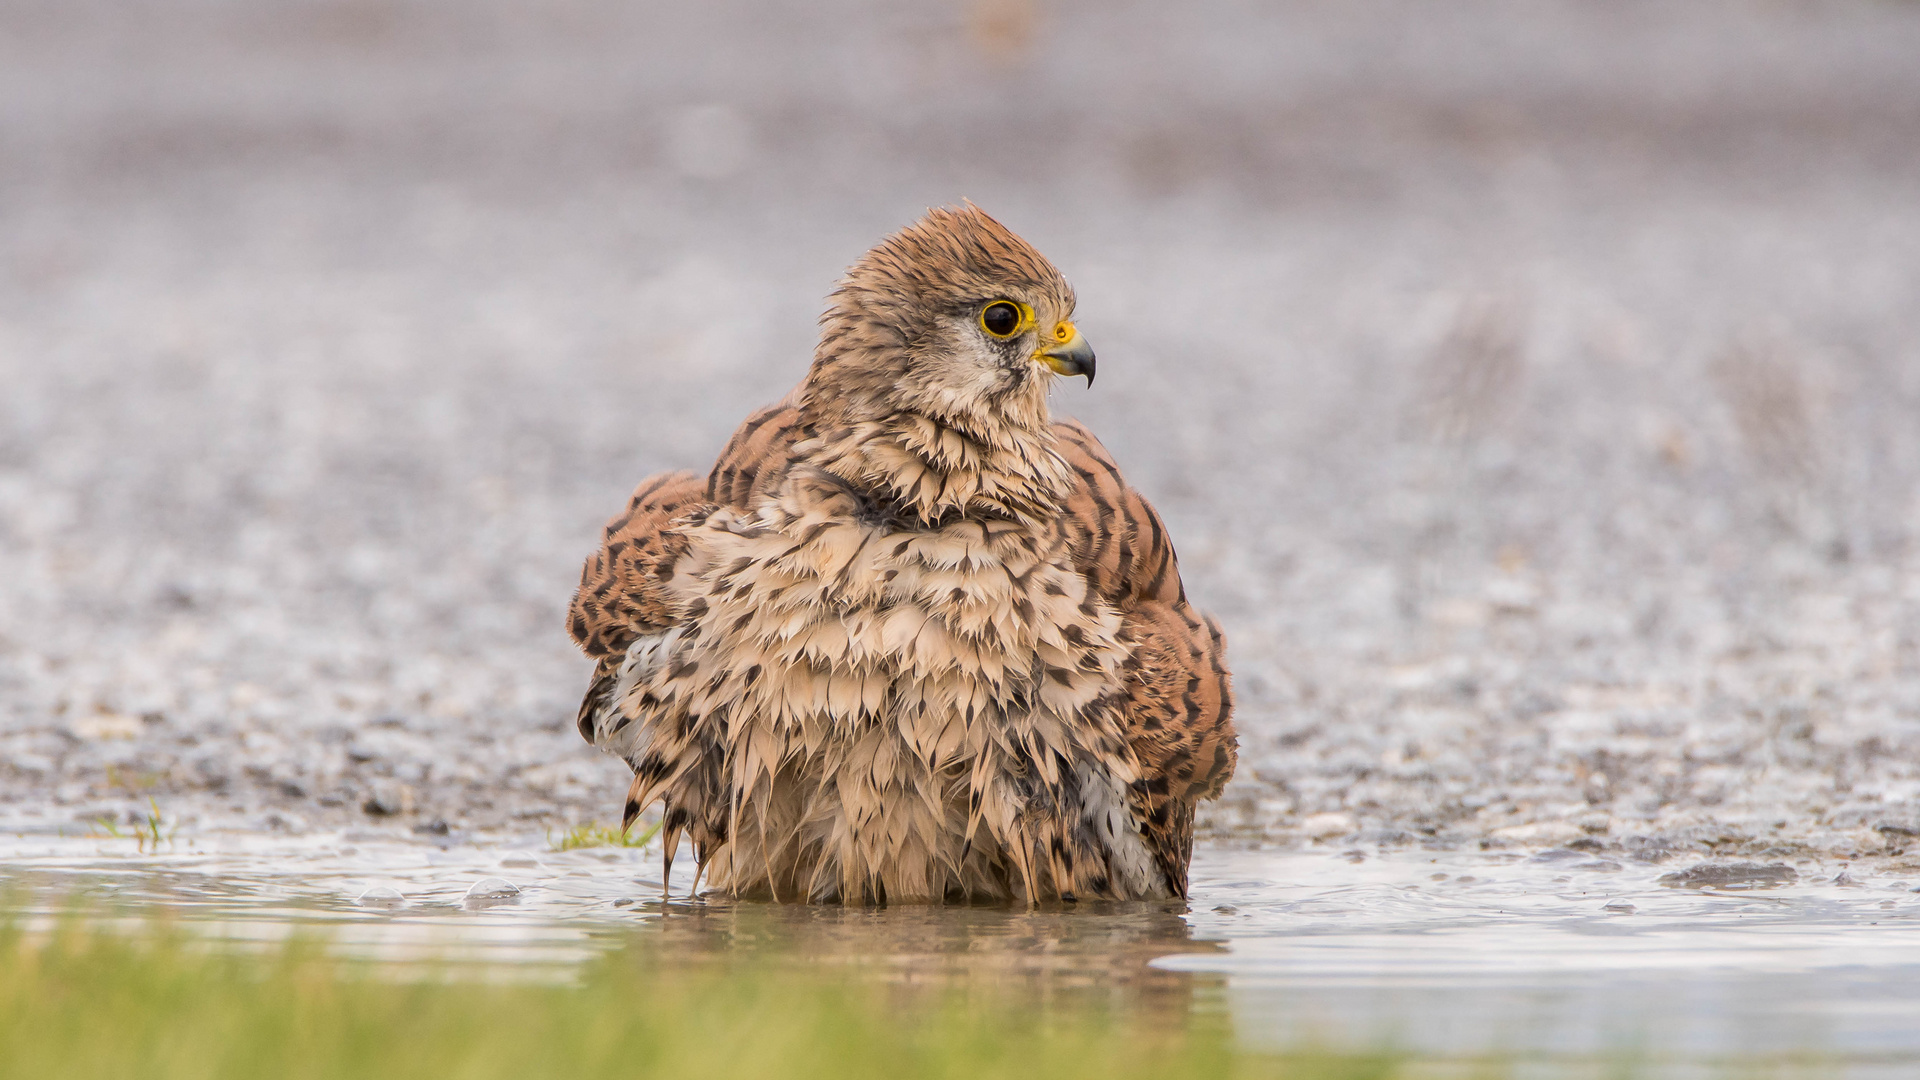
(1001, 318)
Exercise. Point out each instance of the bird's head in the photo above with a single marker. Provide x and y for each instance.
(953, 318)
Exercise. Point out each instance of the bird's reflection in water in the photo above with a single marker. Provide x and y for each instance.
(1092, 955)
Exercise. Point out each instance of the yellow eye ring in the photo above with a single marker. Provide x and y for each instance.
(1006, 318)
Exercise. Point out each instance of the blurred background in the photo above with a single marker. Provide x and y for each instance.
(1531, 387)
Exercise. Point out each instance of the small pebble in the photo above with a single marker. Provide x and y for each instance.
(1328, 826)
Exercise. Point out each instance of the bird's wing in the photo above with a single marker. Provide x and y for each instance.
(1179, 697)
(623, 586)
(755, 454)
(622, 593)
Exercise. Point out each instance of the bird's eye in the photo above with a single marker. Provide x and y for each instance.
(1001, 318)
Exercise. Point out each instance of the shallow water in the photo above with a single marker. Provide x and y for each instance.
(1558, 963)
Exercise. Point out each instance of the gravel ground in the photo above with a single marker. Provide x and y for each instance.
(1530, 386)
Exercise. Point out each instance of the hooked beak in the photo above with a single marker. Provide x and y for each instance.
(1070, 354)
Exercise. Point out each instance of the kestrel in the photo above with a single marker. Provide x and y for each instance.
(912, 639)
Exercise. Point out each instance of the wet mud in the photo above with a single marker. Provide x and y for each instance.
(1528, 390)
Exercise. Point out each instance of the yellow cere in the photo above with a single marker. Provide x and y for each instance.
(1063, 331)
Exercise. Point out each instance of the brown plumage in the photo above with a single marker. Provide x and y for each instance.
(912, 639)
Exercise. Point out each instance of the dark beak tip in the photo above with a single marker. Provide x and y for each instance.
(1072, 358)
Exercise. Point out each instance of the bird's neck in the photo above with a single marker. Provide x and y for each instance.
(930, 472)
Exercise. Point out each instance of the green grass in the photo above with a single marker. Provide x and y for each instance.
(159, 1005)
(148, 834)
(594, 834)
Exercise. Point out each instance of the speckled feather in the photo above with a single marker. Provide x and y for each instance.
(911, 639)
